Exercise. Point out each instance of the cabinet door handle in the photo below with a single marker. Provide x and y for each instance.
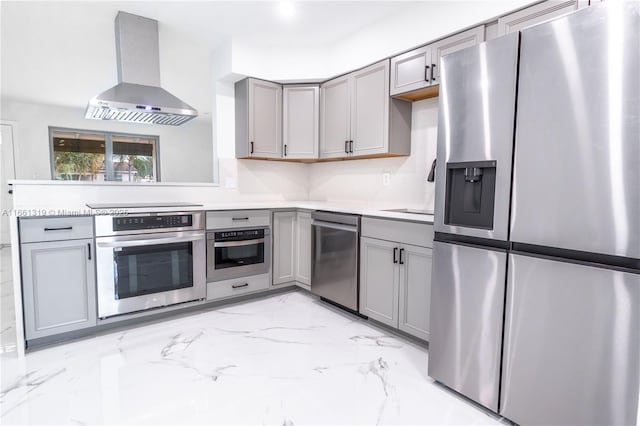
(433, 73)
(401, 260)
(240, 285)
(351, 147)
(251, 152)
(66, 228)
(395, 255)
(89, 251)
(426, 73)
(239, 218)
(285, 150)
(346, 147)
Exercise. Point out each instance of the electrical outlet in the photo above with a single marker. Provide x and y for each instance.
(386, 179)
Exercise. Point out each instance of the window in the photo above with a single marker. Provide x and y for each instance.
(101, 156)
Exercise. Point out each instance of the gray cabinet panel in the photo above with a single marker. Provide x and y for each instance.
(452, 44)
(335, 118)
(300, 128)
(572, 347)
(415, 290)
(59, 287)
(537, 14)
(284, 242)
(265, 118)
(42, 229)
(409, 71)
(303, 248)
(379, 280)
(370, 110)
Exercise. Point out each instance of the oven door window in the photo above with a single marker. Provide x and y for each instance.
(152, 269)
(239, 255)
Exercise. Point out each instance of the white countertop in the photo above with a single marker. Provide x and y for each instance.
(307, 205)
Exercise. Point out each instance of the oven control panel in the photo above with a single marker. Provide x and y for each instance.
(131, 223)
(247, 234)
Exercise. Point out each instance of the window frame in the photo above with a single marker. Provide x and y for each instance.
(108, 149)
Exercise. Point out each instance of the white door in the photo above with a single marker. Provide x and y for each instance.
(301, 115)
(411, 70)
(7, 172)
(334, 118)
(284, 243)
(265, 119)
(370, 110)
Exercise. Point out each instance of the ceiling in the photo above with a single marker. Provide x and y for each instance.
(63, 52)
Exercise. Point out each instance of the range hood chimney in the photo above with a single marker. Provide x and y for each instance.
(138, 97)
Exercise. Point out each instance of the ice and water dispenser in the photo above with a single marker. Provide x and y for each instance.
(470, 194)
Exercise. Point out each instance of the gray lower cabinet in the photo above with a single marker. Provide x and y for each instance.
(303, 248)
(415, 290)
(59, 288)
(379, 280)
(395, 277)
(284, 242)
(292, 247)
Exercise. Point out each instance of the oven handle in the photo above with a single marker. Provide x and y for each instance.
(150, 241)
(239, 243)
(331, 225)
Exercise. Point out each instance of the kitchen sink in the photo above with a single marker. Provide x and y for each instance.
(413, 211)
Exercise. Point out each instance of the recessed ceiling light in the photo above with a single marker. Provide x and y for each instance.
(286, 9)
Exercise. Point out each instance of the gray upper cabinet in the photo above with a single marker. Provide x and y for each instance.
(452, 44)
(370, 110)
(58, 277)
(300, 122)
(410, 71)
(536, 14)
(335, 115)
(420, 68)
(359, 119)
(258, 119)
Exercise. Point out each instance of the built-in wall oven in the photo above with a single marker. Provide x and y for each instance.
(149, 260)
(238, 252)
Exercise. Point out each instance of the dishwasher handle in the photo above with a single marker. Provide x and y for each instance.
(331, 225)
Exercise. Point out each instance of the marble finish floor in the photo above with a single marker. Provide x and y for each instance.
(285, 359)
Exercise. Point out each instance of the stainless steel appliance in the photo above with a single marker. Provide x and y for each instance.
(138, 97)
(335, 244)
(238, 252)
(572, 327)
(149, 260)
(567, 261)
(473, 185)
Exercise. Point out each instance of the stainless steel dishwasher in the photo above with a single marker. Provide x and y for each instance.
(335, 253)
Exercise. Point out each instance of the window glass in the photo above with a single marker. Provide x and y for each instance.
(133, 159)
(79, 156)
(82, 155)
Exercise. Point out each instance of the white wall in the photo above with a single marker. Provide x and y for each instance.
(361, 181)
(186, 152)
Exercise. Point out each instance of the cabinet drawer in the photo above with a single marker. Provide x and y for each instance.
(238, 219)
(236, 287)
(55, 228)
(417, 234)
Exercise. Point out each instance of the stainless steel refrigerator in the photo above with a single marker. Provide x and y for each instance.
(542, 323)
(572, 325)
(473, 190)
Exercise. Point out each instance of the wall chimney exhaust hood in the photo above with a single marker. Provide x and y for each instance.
(138, 97)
